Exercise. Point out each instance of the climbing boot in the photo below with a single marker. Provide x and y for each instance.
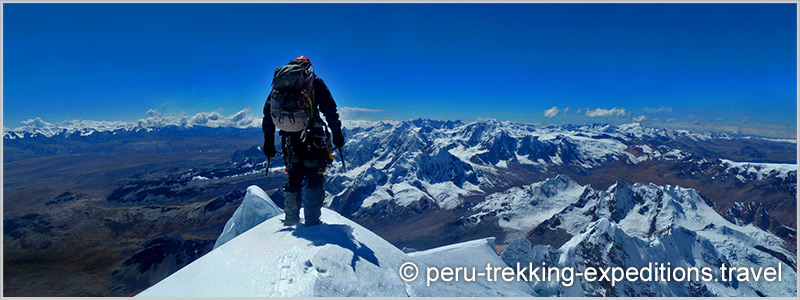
(291, 206)
(313, 205)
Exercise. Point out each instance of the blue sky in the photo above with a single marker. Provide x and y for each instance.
(709, 64)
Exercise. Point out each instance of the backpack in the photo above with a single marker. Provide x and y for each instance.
(291, 99)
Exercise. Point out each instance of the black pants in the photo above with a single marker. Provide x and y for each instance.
(305, 162)
(304, 169)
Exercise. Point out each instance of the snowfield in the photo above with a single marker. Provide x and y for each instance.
(337, 258)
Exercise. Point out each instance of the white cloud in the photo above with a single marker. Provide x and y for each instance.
(355, 112)
(550, 113)
(640, 118)
(602, 112)
(35, 123)
(671, 120)
(359, 109)
(663, 109)
(241, 119)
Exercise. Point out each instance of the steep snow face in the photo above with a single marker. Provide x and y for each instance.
(633, 225)
(336, 258)
(256, 207)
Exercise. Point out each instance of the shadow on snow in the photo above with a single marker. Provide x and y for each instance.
(336, 234)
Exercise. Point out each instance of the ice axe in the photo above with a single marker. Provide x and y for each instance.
(266, 170)
(269, 158)
(344, 166)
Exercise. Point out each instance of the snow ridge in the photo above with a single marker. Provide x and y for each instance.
(256, 207)
(336, 258)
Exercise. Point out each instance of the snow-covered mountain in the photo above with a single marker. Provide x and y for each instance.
(336, 258)
(444, 160)
(403, 170)
(428, 184)
(39, 128)
(569, 225)
(408, 168)
(633, 225)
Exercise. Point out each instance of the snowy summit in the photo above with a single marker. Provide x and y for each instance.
(336, 258)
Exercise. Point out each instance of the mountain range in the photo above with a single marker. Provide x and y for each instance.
(148, 200)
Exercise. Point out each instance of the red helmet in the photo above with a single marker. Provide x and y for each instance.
(303, 58)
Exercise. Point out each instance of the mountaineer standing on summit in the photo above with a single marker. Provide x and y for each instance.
(293, 106)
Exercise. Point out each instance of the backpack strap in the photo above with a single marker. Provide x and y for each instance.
(311, 114)
(303, 133)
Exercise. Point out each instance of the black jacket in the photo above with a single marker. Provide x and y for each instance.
(322, 100)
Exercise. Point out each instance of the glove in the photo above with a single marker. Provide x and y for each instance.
(269, 146)
(338, 139)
